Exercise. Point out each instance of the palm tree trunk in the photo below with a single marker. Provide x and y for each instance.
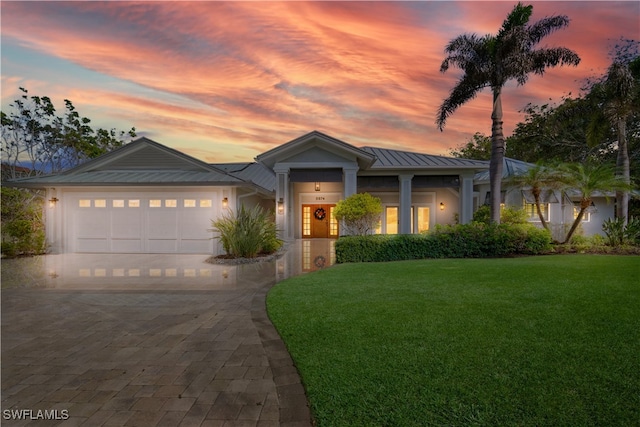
(584, 204)
(622, 164)
(536, 197)
(497, 156)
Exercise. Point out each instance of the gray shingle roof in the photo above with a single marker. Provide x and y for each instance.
(396, 159)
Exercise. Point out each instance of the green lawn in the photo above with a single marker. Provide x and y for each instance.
(532, 341)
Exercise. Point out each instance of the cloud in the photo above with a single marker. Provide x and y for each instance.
(255, 77)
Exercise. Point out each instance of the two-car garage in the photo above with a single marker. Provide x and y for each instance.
(140, 221)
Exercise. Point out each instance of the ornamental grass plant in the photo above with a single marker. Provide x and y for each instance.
(247, 233)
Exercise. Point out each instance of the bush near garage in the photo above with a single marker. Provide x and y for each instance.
(247, 233)
(22, 223)
(474, 240)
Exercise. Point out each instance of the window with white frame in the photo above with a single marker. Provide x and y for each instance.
(532, 212)
(586, 217)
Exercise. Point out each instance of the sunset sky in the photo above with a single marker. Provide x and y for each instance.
(225, 81)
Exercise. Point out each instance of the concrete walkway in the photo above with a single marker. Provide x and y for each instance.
(146, 340)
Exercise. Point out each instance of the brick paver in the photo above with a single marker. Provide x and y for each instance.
(148, 358)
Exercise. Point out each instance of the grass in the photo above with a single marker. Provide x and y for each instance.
(535, 341)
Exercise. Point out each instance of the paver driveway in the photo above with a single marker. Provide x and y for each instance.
(147, 341)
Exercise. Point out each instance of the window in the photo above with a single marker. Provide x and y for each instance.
(170, 203)
(118, 203)
(423, 218)
(100, 203)
(84, 203)
(586, 217)
(333, 223)
(134, 203)
(155, 203)
(306, 221)
(532, 212)
(189, 203)
(205, 203)
(391, 219)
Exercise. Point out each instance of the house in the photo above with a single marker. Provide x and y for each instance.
(560, 208)
(148, 198)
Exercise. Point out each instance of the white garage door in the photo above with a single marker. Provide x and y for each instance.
(141, 222)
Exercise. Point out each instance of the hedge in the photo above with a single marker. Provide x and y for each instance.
(473, 240)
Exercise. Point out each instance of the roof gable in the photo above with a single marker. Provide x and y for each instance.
(143, 154)
(304, 147)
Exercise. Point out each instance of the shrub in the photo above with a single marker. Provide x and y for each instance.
(508, 215)
(247, 232)
(619, 234)
(475, 240)
(360, 213)
(22, 223)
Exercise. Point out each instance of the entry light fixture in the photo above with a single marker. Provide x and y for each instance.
(280, 206)
(317, 186)
(225, 203)
(52, 202)
(441, 206)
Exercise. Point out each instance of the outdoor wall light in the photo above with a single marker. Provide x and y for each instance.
(317, 186)
(225, 202)
(441, 206)
(280, 206)
(52, 202)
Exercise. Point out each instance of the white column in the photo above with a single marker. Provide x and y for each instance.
(284, 216)
(466, 198)
(350, 178)
(405, 204)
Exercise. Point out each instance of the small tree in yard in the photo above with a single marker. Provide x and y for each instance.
(360, 213)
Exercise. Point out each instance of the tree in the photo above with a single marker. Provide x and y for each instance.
(360, 213)
(617, 99)
(589, 179)
(35, 138)
(538, 178)
(491, 61)
(477, 148)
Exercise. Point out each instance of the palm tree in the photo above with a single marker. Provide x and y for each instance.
(538, 178)
(491, 61)
(589, 179)
(617, 98)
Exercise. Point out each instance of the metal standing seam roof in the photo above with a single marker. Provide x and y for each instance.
(256, 173)
(511, 167)
(396, 159)
(133, 177)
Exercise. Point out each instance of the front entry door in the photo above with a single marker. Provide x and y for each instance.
(318, 222)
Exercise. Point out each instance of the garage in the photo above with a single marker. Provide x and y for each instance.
(141, 222)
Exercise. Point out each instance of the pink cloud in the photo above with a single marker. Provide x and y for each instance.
(241, 75)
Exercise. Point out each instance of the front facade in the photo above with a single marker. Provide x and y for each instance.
(148, 198)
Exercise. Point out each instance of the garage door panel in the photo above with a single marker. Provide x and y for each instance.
(92, 245)
(92, 223)
(195, 224)
(126, 245)
(162, 225)
(126, 224)
(162, 246)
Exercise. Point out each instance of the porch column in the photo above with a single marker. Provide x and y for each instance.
(466, 198)
(405, 204)
(350, 177)
(284, 210)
